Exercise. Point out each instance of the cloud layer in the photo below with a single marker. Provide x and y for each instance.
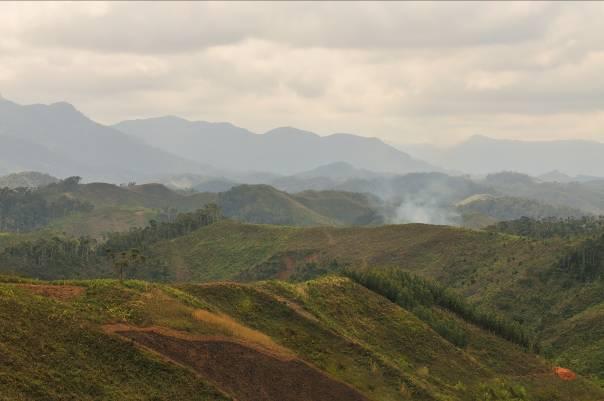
(405, 72)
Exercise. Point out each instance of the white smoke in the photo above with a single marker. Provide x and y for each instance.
(425, 210)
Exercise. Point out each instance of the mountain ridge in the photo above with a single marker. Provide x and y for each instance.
(282, 150)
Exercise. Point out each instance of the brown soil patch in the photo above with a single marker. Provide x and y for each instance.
(245, 373)
(60, 292)
(289, 264)
(241, 332)
(565, 374)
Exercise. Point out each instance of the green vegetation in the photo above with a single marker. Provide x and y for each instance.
(352, 334)
(60, 257)
(510, 208)
(551, 227)
(264, 204)
(23, 209)
(54, 350)
(420, 295)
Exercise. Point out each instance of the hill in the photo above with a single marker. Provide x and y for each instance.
(283, 150)
(500, 208)
(519, 277)
(264, 204)
(328, 339)
(95, 209)
(61, 141)
(586, 196)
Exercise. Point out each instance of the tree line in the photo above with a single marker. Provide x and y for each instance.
(60, 257)
(420, 296)
(182, 224)
(552, 227)
(26, 209)
(585, 261)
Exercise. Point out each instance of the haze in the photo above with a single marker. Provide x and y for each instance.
(403, 72)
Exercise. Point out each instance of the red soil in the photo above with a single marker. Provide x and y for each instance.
(240, 370)
(565, 374)
(60, 292)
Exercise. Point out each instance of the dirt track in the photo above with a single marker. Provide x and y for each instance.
(247, 374)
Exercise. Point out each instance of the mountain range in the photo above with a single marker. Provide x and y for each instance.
(284, 150)
(60, 140)
(483, 155)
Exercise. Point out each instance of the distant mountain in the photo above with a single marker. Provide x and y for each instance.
(483, 155)
(27, 179)
(59, 140)
(282, 150)
(338, 171)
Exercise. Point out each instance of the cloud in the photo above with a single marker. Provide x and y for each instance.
(154, 27)
(406, 72)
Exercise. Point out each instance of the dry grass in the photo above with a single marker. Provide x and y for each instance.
(241, 332)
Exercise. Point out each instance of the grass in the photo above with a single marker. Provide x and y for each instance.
(52, 352)
(513, 275)
(57, 350)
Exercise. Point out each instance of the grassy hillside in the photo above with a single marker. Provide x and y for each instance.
(120, 208)
(327, 339)
(348, 208)
(514, 275)
(265, 204)
(55, 349)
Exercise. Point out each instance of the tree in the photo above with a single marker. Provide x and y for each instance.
(124, 259)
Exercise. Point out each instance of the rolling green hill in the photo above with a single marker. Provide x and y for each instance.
(516, 276)
(501, 208)
(99, 208)
(265, 204)
(328, 339)
(519, 277)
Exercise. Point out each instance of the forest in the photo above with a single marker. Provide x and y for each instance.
(570, 227)
(421, 296)
(24, 209)
(56, 256)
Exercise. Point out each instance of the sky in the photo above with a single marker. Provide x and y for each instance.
(404, 72)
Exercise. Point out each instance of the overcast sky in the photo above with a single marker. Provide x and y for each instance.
(404, 72)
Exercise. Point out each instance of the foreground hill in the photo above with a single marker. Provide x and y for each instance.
(323, 340)
(283, 150)
(519, 277)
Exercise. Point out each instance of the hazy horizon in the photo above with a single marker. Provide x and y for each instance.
(403, 72)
